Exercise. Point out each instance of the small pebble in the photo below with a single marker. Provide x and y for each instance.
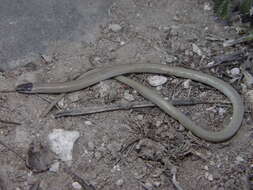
(188, 52)
(61, 103)
(129, 97)
(119, 182)
(176, 18)
(235, 71)
(207, 7)
(221, 111)
(122, 43)
(159, 88)
(140, 117)
(76, 185)
(157, 80)
(196, 49)
(115, 27)
(116, 168)
(206, 167)
(87, 123)
(209, 176)
(157, 183)
(186, 83)
(158, 123)
(54, 167)
(239, 159)
(210, 63)
(104, 89)
(74, 97)
(148, 185)
(170, 58)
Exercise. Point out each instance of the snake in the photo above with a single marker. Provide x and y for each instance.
(117, 71)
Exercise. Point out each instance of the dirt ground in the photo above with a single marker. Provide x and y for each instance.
(138, 148)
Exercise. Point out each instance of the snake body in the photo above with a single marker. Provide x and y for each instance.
(94, 76)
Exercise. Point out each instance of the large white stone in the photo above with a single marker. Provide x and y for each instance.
(62, 142)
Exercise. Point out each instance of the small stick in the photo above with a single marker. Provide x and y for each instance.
(9, 122)
(105, 108)
(52, 104)
(174, 179)
(243, 39)
(58, 98)
(235, 56)
(8, 91)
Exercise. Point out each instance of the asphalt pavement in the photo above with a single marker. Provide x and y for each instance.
(28, 26)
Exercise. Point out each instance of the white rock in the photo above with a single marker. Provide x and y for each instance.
(196, 49)
(159, 88)
(129, 97)
(61, 103)
(186, 83)
(103, 89)
(170, 58)
(74, 97)
(76, 185)
(235, 71)
(210, 63)
(61, 143)
(88, 123)
(206, 168)
(157, 80)
(221, 111)
(119, 182)
(239, 159)
(157, 183)
(115, 27)
(207, 7)
(54, 167)
(122, 43)
(140, 117)
(148, 185)
(158, 123)
(208, 176)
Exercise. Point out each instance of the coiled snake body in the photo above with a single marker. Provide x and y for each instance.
(96, 75)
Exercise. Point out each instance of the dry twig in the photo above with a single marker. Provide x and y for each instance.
(9, 122)
(58, 98)
(106, 108)
(174, 179)
(218, 60)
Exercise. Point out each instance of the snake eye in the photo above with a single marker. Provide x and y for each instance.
(24, 88)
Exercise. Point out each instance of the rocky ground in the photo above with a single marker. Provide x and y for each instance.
(136, 148)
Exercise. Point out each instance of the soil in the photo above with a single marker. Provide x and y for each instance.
(137, 148)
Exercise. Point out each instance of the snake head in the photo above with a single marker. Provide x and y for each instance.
(24, 88)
